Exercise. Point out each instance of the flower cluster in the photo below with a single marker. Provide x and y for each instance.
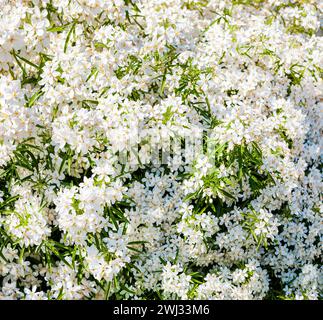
(227, 92)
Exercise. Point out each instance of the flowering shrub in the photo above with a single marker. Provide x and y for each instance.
(160, 149)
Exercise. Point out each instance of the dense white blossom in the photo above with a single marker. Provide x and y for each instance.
(161, 149)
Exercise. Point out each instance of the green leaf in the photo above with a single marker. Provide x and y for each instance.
(69, 34)
(34, 98)
(8, 200)
(58, 28)
(227, 194)
(167, 115)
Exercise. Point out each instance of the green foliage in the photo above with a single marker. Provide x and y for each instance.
(248, 160)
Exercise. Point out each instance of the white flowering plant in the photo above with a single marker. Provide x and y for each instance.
(161, 149)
